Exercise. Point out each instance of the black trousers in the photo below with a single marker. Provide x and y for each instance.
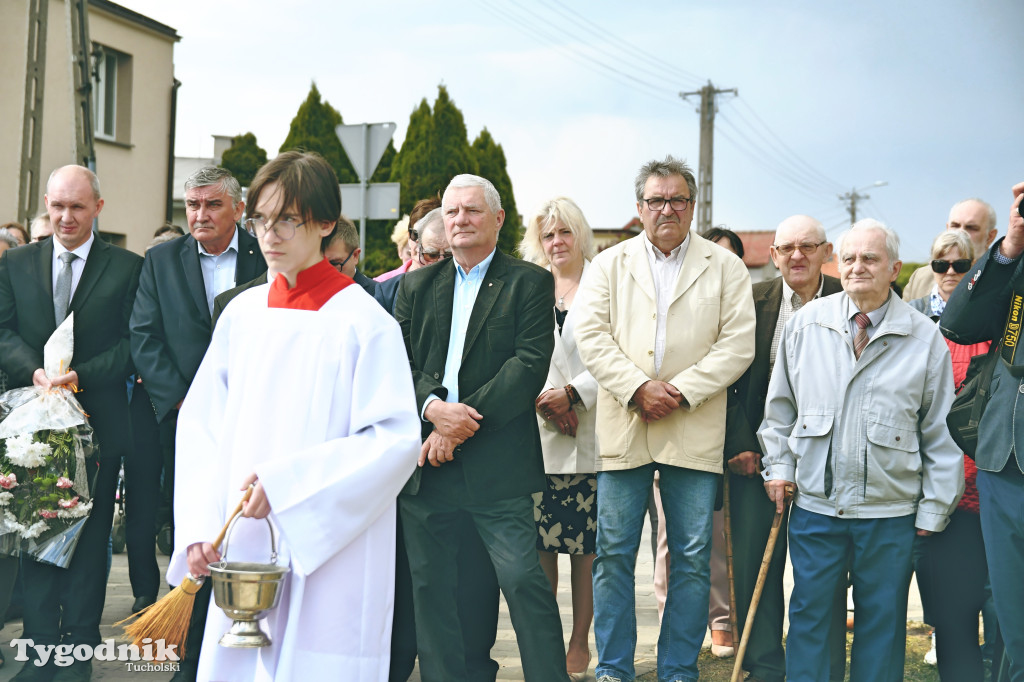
(65, 605)
(951, 572)
(142, 469)
(433, 521)
(477, 607)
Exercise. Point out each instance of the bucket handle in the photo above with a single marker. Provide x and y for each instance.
(273, 543)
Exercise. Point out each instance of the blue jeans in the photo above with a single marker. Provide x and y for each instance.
(1002, 524)
(688, 498)
(880, 556)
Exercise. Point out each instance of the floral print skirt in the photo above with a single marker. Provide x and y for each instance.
(566, 514)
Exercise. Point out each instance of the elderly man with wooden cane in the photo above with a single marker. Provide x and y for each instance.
(856, 419)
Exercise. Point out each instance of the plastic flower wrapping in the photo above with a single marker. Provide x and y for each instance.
(46, 456)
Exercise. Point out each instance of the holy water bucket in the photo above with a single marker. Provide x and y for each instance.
(245, 591)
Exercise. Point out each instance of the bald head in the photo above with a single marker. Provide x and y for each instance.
(799, 251)
(805, 225)
(978, 220)
(76, 173)
(73, 202)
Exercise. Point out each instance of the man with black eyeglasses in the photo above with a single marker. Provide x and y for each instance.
(665, 324)
(343, 254)
(975, 217)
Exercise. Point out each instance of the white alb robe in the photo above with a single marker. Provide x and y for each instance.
(320, 405)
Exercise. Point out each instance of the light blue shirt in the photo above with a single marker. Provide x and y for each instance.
(218, 271)
(467, 286)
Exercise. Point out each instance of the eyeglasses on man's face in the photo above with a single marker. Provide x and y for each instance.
(428, 257)
(788, 249)
(658, 203)
(284, 227)
(340, 264)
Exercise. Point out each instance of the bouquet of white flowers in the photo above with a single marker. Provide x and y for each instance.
(46, 448)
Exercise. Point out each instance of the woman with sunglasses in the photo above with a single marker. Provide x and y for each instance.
(299, 396)
(951, 567)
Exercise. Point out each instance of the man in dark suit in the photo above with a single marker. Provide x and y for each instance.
(478, 331)
(171, 321)
(988, 305)
(72, 272)
(799, 251)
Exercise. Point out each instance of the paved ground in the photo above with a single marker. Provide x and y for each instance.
(119, 600)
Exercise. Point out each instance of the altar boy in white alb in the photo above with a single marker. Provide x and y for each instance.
(299, 394)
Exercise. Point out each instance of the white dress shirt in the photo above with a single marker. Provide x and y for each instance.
(665, 271)
(77, 265)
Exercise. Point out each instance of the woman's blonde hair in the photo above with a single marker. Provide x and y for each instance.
(558, 210)
(950, 238)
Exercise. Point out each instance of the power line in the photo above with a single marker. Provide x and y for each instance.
(772, 172)
(878, 212)
(534, 30)
(841, 223)
(830, 214)
(631, 66)
(781, 161)
(769, 162)
(630, 50)
(835, 185)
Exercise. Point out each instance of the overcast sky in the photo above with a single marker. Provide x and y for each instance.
(832, 96)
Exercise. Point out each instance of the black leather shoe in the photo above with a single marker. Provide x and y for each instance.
(142, 602)
(187, 672)
(79, 671)
(30, 672)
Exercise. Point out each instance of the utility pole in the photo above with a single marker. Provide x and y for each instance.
(79, 47)
(853, 196)
(32, 119)
(707, 110)
(81, 77)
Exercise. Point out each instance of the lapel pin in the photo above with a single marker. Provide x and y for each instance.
(490, 284)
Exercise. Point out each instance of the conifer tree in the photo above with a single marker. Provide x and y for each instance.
(243, 158)
(415, 164)
(490, 159)
(312, 130)
(452, 152)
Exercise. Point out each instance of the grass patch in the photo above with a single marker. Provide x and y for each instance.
(915, 669)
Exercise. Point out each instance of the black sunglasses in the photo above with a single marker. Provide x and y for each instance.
(960, 265)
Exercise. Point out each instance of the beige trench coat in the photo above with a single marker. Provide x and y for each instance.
(709, 343)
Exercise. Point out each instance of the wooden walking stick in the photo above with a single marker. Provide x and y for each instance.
(762, 574)
(733, 629)
(168, 618)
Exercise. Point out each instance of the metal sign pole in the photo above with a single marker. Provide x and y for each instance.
(364, 179)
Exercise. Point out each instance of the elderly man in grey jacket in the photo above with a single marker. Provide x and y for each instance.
(855, 418)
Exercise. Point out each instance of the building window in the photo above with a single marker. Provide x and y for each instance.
(112, 94)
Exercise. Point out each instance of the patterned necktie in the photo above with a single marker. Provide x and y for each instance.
(861, 339)
(62, 292)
